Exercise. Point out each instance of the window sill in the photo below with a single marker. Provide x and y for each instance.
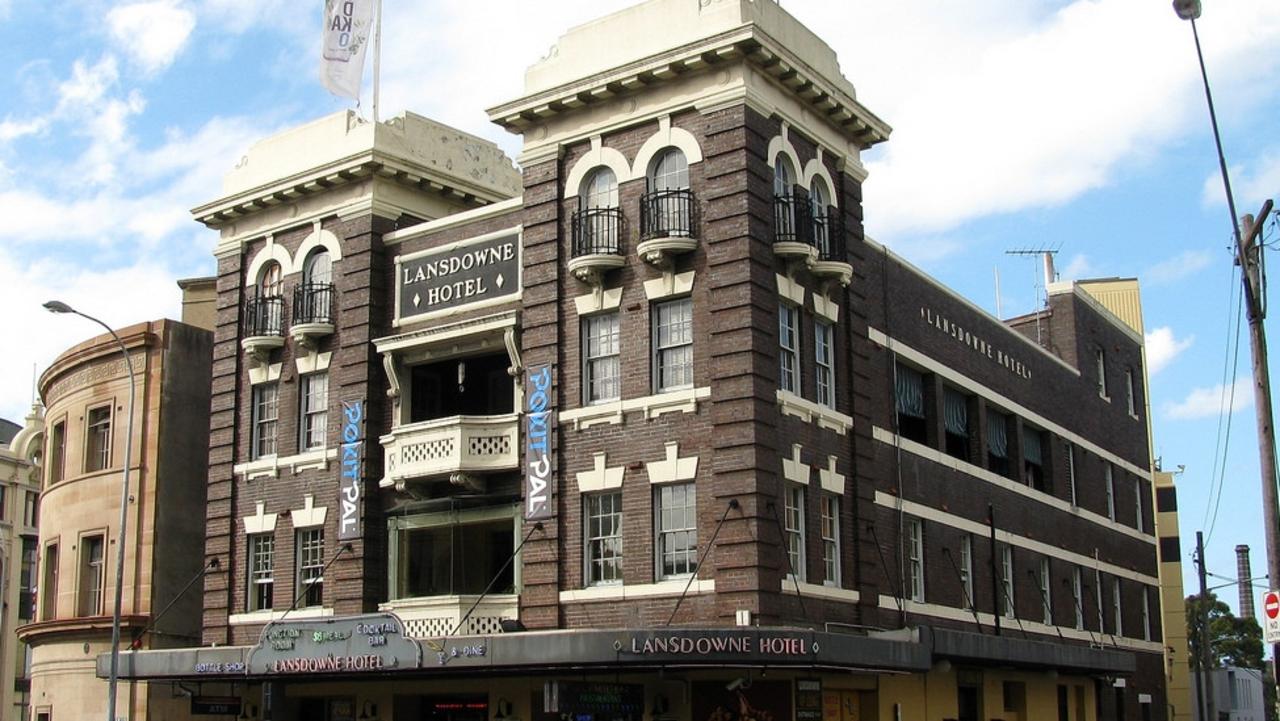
(622, 591)
(613, 412)
(793, 405)
(822, 590)
(255, 618)
(269, 466)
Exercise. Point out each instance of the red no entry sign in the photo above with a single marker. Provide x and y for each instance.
(1271, 604)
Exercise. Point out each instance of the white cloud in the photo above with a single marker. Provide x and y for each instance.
(1258, 181)
(1180, 266)
(144, 208)
(141, 291)
(1209, 402)
(151, 33)
(1163, 346)
(1078, 267)
(1001, 107)
(14, 129)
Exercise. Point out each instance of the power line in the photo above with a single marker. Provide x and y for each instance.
(1221, 441)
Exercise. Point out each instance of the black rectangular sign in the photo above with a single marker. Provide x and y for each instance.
(215, 706)
(459, 274)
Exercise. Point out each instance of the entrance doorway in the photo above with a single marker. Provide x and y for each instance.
(969, 701)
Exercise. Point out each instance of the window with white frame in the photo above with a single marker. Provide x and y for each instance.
(783, 175)
(262, 562)
(1130, 396)
(1077, 596)
(831, 539)
(915, 559)
(91, 575)
(670, 171)
(310, 555)
(793, 524)
(1116, 606)
(1070, 452)
(266, 414)
(97, 444)
(601, 344)
(819, 198)
(314, 412)
(1100, 367)
(1109, 480)
(966, 569)
(604, 538)
(789, 348)
(673, 345)
(824, 362)
(1097, 588)
(1006, 580)
(1046, 592)
(677, 520)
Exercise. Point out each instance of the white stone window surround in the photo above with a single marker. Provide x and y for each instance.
(791, 404)
(624, 591)
(652, 406)
(289, 265)
(310, 515)
(271, 466)
(667, 136)
(260, 522)
(600, 477)
(673, 468)
(255, 618)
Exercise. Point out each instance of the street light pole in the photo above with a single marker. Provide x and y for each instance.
(1248, 257)
(55, 306)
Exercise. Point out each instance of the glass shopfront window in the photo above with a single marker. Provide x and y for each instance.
(453, 553)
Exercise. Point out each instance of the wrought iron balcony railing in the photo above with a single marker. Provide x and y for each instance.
(264, 316)
(597, 231)
(667, 213)
(313, 303)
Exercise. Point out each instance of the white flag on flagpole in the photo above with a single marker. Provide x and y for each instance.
(347, 24)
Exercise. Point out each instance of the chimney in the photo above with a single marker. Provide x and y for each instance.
(1244, 576)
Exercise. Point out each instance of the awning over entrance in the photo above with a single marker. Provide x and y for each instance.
(374, 645)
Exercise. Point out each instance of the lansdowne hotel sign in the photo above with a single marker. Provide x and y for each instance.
(473, 273)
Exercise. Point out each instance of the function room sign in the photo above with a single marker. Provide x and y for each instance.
(350, 644)
(477, 271)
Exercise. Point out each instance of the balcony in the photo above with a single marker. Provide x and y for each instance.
(437, 616)
(666, 225)
(457, 447)
(263, 325)
(312, 313)
(597, 244)
(829, 241)
(793, 228)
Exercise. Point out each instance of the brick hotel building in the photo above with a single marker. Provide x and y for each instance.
(649, 428)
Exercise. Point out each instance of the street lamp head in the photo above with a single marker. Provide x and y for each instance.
(1187, 9)
(57, 306)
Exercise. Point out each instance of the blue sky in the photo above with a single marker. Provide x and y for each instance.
(1017, 123)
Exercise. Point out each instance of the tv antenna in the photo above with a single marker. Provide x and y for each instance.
(1045, 253)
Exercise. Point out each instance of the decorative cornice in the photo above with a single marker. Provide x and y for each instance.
(749, 44)
(345, 171)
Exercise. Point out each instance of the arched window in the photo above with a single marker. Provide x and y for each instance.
(596, 224)
(318, 269)
(819, 199)
(667, 209)
(313, 300)
(670, 171)
(783, 175)
(269, 280)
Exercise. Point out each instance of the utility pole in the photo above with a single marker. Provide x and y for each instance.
(1249, 257)
(1204, 692)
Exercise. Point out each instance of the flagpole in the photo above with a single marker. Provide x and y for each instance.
(377, 59)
